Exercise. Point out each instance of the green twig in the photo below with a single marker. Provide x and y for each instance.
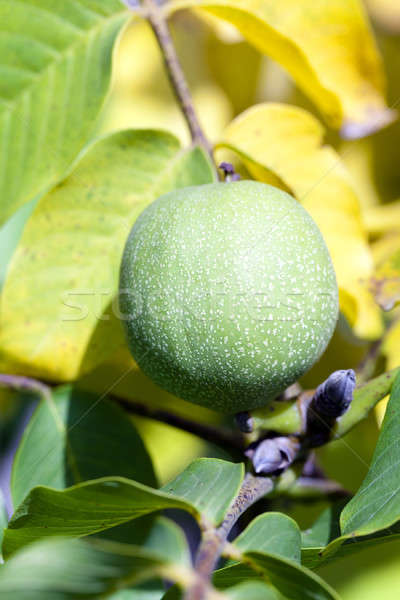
(214, 540)
(175, 73)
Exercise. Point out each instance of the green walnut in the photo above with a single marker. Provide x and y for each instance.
(228, 293)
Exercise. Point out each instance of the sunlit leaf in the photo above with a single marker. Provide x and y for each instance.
(76, 437)
(377, 503)
(287, 141)
(327, 47)
(10, 234)
(55, 71)
(383, 218)
(385, 283)
(205, 490)
(59, 313)
(209, 484)
(391, 345)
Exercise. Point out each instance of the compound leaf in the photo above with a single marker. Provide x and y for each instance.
(326, 46)
(59, 314)
(98, 505)
(76, 437)
(55, 65)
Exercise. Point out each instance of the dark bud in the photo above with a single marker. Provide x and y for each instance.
(333, 397)
(272, 455)
(229, 172)
(227, 168)
(331, 400)
(245, 422)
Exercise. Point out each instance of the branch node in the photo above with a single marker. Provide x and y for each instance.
(229, 172)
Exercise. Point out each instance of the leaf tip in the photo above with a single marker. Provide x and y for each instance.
(375, 120)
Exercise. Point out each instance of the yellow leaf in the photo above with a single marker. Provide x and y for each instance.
(286, 141)
(391, 346)
(59, 310)
(385, 283)
(383, 218)
(359, 160)
(383, 248)
(326, 46)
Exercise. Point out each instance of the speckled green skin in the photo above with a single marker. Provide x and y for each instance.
(228, 292)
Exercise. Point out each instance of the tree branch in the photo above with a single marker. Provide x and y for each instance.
(213, 540)
(221, 436)
(20, 383)
(175, 73)
(216, 435)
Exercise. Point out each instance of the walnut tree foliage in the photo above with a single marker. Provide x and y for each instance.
(91, 134)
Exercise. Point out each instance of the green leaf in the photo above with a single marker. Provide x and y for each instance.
(76, 437)
(291, 579)
(324, 530)
(165, 539)
(210, 485)
(3, 518)
(326, 46)
(366, 396)
(60, 569)
(253, 590)
(149, 590)
(372, 516)
(272, 533)
(94, 506)
(246, 590)
(322, 543)
(376, 505)
(55, 70)
(10, 234)
(168, 540)
(72, 248)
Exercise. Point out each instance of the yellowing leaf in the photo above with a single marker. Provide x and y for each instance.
(391, 346)
(326, 46)
(286, 141)
(385, 283)
(59, 315)
(383, 218)
(383, 248)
